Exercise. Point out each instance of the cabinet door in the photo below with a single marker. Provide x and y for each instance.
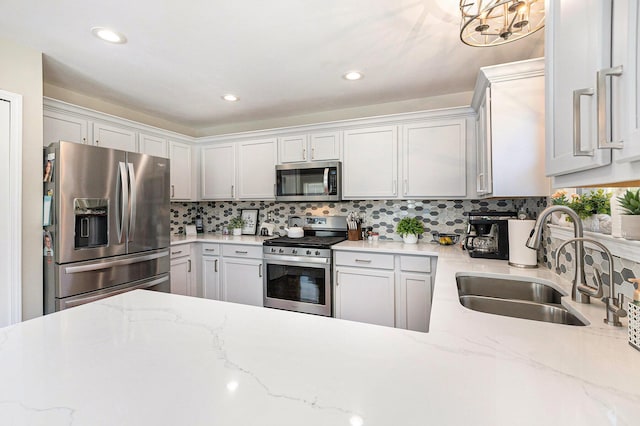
(573, 58)
(218, 172)
(211, 277)
(292, 149)
(626, 88)
(153, 145)
(257, 170)
(181, 276)
(484, 180)
(365, 295)
(434, 159)
(61, 127)
(114, 137)
(414, 304)
(180, 156)
(325, 146)
(242, 281)
(370, 163)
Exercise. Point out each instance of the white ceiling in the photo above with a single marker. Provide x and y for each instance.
(281, 57)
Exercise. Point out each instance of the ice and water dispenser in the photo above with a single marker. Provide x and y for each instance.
(91, 222)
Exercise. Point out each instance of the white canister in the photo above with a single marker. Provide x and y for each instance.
(519, 254)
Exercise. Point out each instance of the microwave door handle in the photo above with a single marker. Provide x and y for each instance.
(122, 200)
(325, 180)
(134, 201)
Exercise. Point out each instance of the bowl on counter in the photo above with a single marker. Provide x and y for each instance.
(445, 239)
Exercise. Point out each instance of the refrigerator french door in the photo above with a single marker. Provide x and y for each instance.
(108, 221)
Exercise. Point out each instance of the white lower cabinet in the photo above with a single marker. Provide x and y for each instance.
(211, 271)
(242, 274)
(182, 281)
(385, 289)
(365, 295)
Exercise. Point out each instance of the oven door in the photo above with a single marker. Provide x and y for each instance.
(298, 284)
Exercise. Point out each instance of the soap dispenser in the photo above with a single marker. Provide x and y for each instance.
(634, 315)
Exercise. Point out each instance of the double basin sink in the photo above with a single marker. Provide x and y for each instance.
(514, 298)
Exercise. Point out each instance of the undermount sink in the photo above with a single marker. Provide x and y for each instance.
(514, 298)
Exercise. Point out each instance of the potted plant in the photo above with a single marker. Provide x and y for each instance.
(409, 228)
(630, 204)
(236, 224)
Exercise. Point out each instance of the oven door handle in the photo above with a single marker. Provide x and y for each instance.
(297, 260)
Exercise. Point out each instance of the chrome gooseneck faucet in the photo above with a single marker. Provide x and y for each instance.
(535, 238)
(613, 304)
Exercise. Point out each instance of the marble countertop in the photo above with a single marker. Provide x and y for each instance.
(144, 358)
(254, 240)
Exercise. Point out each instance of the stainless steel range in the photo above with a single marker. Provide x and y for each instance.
(299, 270)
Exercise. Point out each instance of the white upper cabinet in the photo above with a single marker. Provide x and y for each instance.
(153, 145)
(592, 85)
(218, 174)
(256, 169)
(109, 136)
(370, 168)
(510, 144)
(180, 160)
(63, 127)
(322, 146)
(292, 149)
(434, 159)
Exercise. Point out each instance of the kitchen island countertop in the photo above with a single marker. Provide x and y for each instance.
(145, 358)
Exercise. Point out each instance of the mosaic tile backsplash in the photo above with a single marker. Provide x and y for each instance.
(437, 215)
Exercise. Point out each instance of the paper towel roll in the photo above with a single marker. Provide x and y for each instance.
(519, 254)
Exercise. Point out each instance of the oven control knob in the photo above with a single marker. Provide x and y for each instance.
(294, 251)
(317, 252)
(273, 250)
(280, 251)
(308, 251)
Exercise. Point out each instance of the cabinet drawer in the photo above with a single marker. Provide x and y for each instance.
(210, 249)
(181, 250)
(236, 250)
(364, 259)
(415, 263)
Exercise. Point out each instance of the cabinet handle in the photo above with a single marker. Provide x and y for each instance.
(241, 252)
(363, 260)
(577, 146)
(97, 142)
(84, 140)
(233, 191)
(395, 187)
(304, 154)
(260, 270)
(275, 190)
(189, 270)
(479, 182)
(173, 191)
(209, 249)
(601, 88)
(405, 187)
(215, 266)
(313, 153)
(176, 252)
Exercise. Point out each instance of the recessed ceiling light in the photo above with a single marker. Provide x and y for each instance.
(230, 97)
(108, 35)
(353, 75)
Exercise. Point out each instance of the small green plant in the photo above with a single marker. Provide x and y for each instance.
(236, 222)
(630, 202)
(410, 225)
(594, 202)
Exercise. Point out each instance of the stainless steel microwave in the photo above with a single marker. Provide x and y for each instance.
(317, 181)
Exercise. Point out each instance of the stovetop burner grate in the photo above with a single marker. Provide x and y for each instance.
(307, 241)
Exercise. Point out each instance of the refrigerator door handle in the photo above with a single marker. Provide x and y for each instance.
(134, 201)
(122, 200)
(113, 263)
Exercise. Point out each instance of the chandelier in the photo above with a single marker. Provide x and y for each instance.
(495, 22)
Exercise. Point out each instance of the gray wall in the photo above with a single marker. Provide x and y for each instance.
(21, 73)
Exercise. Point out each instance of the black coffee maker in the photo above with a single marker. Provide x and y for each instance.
(488, 234)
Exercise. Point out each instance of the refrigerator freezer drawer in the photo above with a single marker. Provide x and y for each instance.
(82, 277)
(158, 283)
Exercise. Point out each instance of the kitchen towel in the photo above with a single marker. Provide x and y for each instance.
(519, 254)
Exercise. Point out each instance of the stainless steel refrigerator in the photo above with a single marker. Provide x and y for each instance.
(106, 223)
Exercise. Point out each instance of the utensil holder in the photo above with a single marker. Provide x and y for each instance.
(354, 234)
(634, 325)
